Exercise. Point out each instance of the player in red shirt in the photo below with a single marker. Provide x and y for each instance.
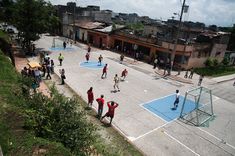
(100, 106)
(111, 110)
(87, 56)
(124, 74)
(104, 75)
(90, 97)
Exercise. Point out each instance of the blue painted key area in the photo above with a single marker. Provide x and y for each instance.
(163, 107)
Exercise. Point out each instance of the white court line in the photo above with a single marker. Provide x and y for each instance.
(156, 99)
(181, 143)
(117, 128)
(216, 138)
(155, 129)
(153, 114)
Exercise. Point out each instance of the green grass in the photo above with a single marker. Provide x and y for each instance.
(14, 139)
(216, 71)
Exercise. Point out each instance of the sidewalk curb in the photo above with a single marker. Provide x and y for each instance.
(173, 78)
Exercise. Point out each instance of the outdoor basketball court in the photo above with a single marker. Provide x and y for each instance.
(145, 116)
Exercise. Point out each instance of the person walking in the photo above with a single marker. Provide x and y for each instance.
(52, 66)
(116, 83)
(111, 108)
(191, 73)
(124, 74)
(100, 59)
(155, 63)
(44, 70)
(104, 74)
(89, 49)
(90, 97)
(177, 99)
(121, 58)
(62, 76)
(200, 80)
(87, 57)
(64, 44)
(61, 58)
(100, 106)
(48, 68)
(186, 74)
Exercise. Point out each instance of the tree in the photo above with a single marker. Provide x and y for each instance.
(6, 10)
(32, 18)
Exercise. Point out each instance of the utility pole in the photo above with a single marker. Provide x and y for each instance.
(176, 38)
(74, 21)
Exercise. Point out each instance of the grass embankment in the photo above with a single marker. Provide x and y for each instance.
(215, 71)
(14, 139)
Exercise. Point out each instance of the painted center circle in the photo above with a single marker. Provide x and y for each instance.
(61, 49)
(92, 64)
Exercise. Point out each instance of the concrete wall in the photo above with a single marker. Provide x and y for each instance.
(67, 18)
(178, 48)
(68, 31)
(218, 51)
(196, 62)
(151, 30)
(97, 38)
(81, 32)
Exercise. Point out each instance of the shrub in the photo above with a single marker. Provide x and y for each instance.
(61, 119)
(215, 62)
(208, 62)
(225, 61)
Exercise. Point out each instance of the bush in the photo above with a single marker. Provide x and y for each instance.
(61, 119)
(208, 62)
(225, 61)
(215, 62)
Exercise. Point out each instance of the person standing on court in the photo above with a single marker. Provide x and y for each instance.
(90, 97)
(61, 58)
(104, 74)
(89, 48)
(177, 99)
(112, 106)
(87, 57)
(62, 76)
(200, 80)
(121, 58)
(186, 74)
(191, 73)
(116, 83)
(100, 60)
(155, 63)
(124, 74)
(64, 44)
(100, 102)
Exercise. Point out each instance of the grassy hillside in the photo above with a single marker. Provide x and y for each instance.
(13, 137)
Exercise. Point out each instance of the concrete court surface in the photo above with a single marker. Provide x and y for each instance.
(150, 133)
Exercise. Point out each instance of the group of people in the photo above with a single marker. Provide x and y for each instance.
(111, 106)
(190, 76)
(116, 79)
(66, 43)
(45, 70)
